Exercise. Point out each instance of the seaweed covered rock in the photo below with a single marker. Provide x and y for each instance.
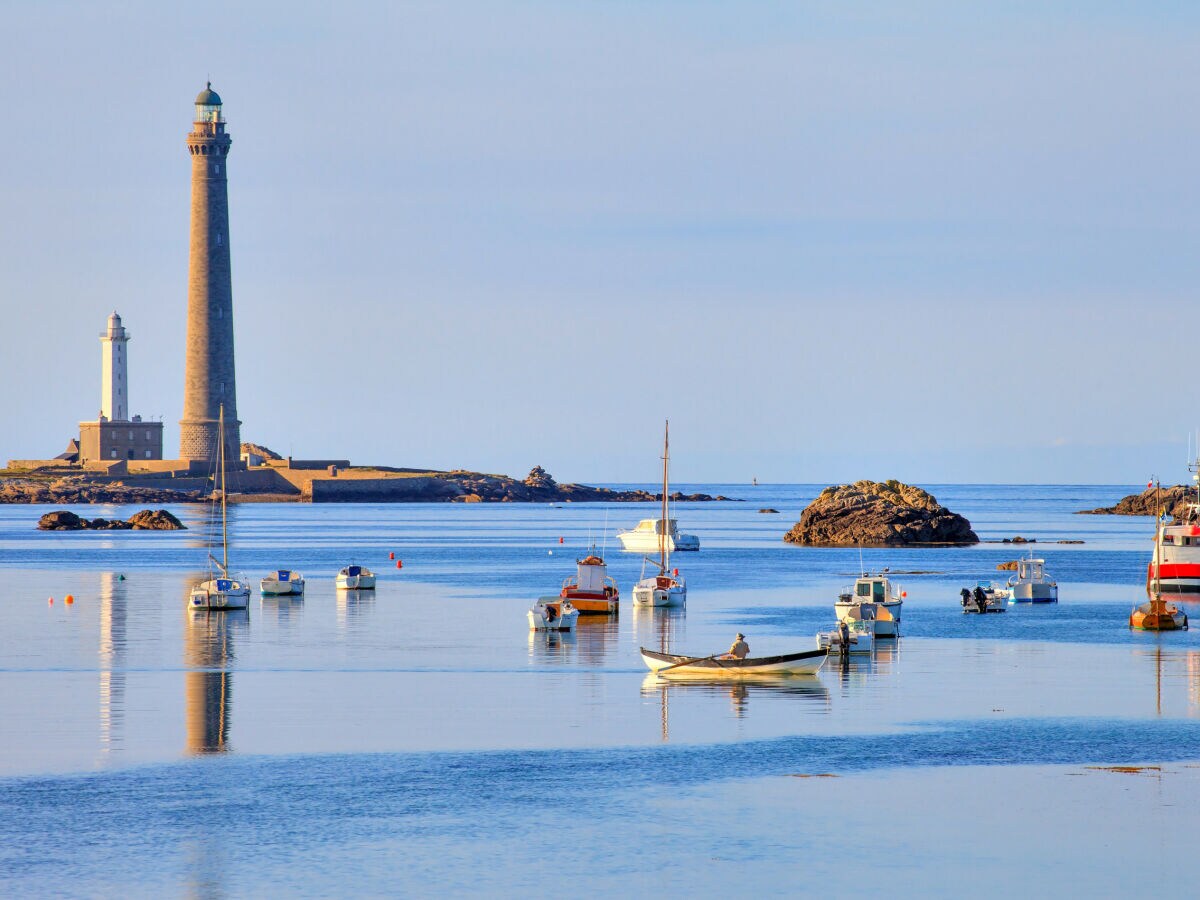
(873, 513)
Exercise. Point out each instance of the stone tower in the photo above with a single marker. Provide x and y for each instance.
(209, 374)
(114, 373)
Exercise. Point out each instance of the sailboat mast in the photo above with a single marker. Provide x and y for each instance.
(1156, 595)
(221, 459)
(662, 531)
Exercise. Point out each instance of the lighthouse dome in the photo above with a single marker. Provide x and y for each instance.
(208, 97)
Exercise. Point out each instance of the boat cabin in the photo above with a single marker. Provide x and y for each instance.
(1031, 570)
(590, 575)
(655, 526)
(873, 589)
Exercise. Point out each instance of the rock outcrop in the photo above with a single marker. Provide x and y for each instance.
(881, 514)
(81, 489)
(540, 478)
(146, 520)
(1174, 501)
(259, 450)
(1010, 566)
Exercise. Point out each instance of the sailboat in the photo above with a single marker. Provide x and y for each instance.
(221, 591)
(666, 588)
(1157, 614)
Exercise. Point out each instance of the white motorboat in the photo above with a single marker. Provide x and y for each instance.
(1031, 584)
(281, 582)
(874, 591)
(552, 614)
(666, 588)
(668, 665)
(985, 598)
(859, 632)
(644, 538)
(355, 578)
(220, 590)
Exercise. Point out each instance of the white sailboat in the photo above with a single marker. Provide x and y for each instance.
(221, 591)
(666, 588)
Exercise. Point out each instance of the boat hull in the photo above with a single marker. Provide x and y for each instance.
(807, 663)
(232, 594)
(650, 595)
(1163, 618)
(589, 604)
(356, 582)
(273, 588)
(1034, 592)
(643, 542)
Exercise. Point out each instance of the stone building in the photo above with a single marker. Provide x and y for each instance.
(209, 385)
(116, 435)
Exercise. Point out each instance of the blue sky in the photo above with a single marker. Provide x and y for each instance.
(949, 242)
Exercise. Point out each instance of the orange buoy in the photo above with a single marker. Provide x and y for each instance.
(70, 598)
(392, 555)
(399, 564)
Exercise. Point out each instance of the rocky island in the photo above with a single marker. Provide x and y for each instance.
(1174, 501)
(873, 513)
(146, 520)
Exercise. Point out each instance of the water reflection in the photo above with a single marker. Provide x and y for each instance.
(661, 628)
(738, 690)
(208, 683)
(352, 607)
(112, 658)
(596, 636)
(282, 608)
(551, 647)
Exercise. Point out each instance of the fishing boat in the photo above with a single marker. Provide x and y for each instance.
(1175, 566)
(281, 582)
(220, 590)
(860, 637)
(592, 590)
(644, 538)
(552, 614)
(1031, 584)
(874, 591)
(666, 588)
(1156, 614)
(985, 598)
(670, 665)
(355, 578)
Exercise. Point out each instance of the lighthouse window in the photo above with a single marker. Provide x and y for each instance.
(131, 435)
(218, 169)
(147, 453)
(218, 239)
(113, 454)
(147, 438)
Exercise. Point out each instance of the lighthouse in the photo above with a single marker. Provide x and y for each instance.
(114, 372)
(208, 369)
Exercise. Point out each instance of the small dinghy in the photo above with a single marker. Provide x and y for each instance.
(669, 665)
(281, 582)
(985, 598)
(859, 634)
(356, 578)
(552, 614)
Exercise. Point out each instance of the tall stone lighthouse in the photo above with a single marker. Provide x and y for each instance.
(209, 373)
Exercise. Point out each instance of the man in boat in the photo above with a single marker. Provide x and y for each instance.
(740, 649)
(980, 599)
(966, 595)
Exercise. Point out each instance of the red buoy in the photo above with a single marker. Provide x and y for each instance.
(676, 573)
(399, 564)
(50, 601)
(560, 540)
(392, 555)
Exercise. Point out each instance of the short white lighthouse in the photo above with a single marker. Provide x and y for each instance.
(114, 373)
(116, 435)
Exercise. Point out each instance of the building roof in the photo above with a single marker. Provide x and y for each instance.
(208, 97)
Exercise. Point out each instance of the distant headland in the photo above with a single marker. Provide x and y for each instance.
(265, 476)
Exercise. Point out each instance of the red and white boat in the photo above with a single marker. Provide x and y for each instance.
(592, 591)
(1175, 566)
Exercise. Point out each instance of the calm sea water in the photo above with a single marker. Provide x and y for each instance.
(419, 739)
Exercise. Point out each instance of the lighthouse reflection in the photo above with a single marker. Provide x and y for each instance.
(208, 683)
(112, 659)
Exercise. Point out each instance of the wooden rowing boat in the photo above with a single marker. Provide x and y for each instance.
(669, 665)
